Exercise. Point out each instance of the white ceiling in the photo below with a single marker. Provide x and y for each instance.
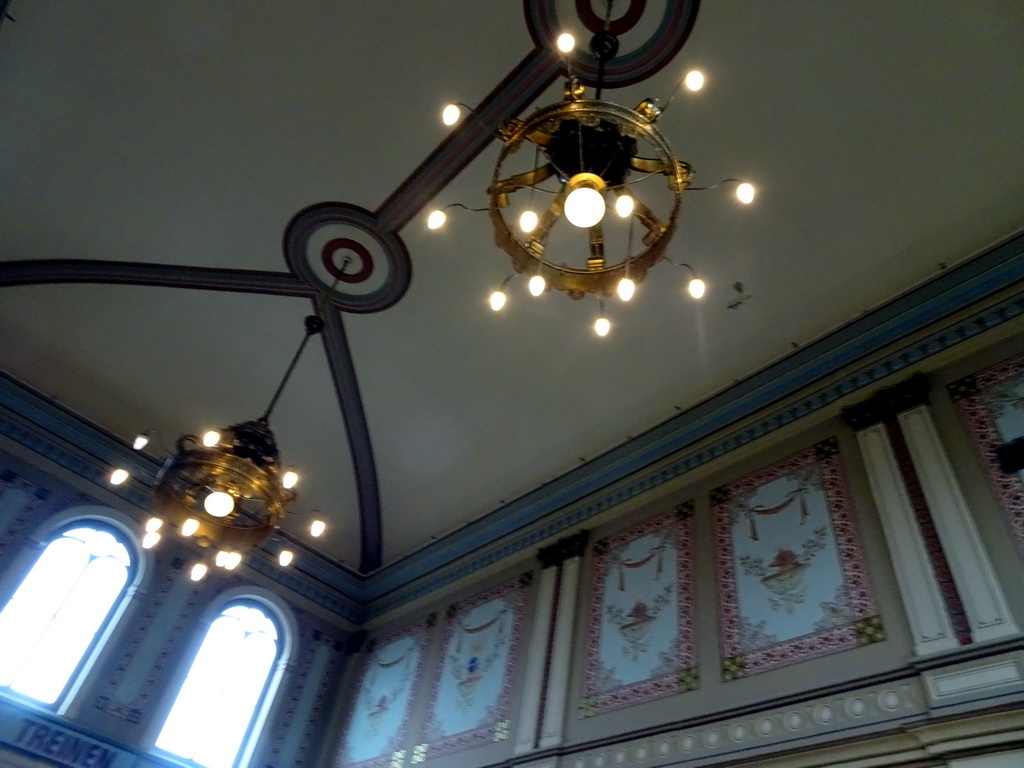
(884, 137)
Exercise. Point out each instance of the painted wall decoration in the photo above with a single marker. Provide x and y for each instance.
(640, 632)
(379, 722)
(991, 404)
(471, 695)
(792, 581)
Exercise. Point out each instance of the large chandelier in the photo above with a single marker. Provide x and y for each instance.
(226, 490)
(576, 161)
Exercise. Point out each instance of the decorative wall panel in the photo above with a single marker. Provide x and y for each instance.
(792, 579)
(640, 634)
(991, 404)
(379, 722)
(471, 695)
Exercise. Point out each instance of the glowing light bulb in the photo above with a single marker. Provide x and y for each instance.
(528, 221)
(626, 288)
(624, 206)
(153, 524)
(436, 219)
(211, 438)
(451, 114)
(565, 42)
(317, 528)
(584, 207)
(220, 559)
(694, 80)
(189, 527)
(537, 285)
(198, 571)
(696, 287)
(232, 560)
(286, 557)
(745, 193)
(601, 326)
(118, 476)
(497, 300)
(289, 479)
(150, 539)
(141, 441)
(219, 504)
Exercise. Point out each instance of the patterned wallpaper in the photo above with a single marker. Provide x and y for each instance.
(792, 581)
(991, 404)
(471, 694)
(640, 629)
(379, 722)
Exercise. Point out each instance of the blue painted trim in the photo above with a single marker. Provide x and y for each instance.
(34, 421)
(860, 379)
(89, 451)
(950, 292)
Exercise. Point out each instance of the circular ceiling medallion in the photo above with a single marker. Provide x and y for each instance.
(617, 26)
(341, 251)
(650, 33)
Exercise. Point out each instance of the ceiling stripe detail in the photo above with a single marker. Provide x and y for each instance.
(36, 272)
(346, 385)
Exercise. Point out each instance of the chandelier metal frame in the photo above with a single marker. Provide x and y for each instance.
(573, 119)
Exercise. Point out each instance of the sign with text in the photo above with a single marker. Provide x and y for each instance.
(56, 744)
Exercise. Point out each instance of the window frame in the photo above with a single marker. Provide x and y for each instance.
(99, 518)
(280, 615)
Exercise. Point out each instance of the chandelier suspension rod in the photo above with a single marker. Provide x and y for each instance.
(604, 46)
(314, 324)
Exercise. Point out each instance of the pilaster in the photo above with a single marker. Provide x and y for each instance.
(983, 600)
(929, 623)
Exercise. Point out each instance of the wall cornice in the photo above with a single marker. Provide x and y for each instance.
(648, 461)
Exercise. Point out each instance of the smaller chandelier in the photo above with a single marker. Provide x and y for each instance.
(226, 491)
(576, 161)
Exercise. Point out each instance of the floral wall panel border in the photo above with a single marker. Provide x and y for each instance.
(792, 580)
(471, 695)
(640, 632)
(379, 722)
(991, 404)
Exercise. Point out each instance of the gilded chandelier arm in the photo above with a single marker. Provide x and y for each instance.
(596, 260)
(540, 233)
(655, 229)
(520, 180)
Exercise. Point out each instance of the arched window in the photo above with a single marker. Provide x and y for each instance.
(66, 600)
(215, 709)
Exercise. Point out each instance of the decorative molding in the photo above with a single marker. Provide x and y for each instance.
(401, 582)
(565, 548)
(886, 403)
(56, 430)
(983, 600)
(355, 642)
(974, 680)
(952, 291)
(350, 402)
(759, 736)
(925, 610)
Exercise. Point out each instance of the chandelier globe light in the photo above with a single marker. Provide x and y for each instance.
(226, 491)
(574, 160)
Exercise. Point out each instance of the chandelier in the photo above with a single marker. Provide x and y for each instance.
(573, 161)
(226, 490)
